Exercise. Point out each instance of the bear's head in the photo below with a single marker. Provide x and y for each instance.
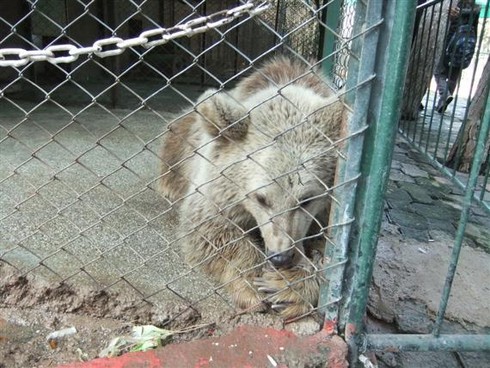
(278, 148)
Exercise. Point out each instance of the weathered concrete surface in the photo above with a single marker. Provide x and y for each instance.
(409, 277)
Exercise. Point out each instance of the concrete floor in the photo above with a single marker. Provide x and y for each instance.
(78, 198)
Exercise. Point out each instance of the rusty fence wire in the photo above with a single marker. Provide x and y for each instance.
(81, 149)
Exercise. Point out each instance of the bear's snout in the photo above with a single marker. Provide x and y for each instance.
(283, 259)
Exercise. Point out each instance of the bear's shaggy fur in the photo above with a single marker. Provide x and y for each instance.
(250, 170)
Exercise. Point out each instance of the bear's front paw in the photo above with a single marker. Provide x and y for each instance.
(245, 297)
(291, 292)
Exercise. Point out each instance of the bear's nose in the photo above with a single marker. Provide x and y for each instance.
(282, 259)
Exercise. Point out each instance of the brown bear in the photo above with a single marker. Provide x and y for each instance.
(251, 171)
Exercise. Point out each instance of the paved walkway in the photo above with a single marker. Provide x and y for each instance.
(421, 200)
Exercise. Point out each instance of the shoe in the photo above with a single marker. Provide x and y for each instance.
(442, 106)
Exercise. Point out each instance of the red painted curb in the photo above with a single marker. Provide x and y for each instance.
(247, 346)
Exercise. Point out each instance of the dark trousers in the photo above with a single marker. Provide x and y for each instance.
(446, 79)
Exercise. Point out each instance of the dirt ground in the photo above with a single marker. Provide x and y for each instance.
(30, 311)
(403, 265)
(408, 279)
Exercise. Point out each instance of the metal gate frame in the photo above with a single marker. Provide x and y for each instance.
(383, 114)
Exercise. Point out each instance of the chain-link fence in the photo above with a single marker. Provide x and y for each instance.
(204, 157)
(233, 210)
(45, 24)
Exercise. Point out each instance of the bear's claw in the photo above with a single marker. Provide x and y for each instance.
(264, 287)
(290, 292)
(280, 307)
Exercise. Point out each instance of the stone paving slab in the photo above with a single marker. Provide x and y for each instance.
(420, 201)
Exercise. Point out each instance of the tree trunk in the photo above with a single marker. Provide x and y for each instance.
(427, 47)
(462, 151)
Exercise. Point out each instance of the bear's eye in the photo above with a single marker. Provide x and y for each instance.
(304, 202)
(262, 200)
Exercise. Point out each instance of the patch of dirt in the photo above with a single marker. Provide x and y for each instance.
(30, 310)
(408, 280)
(23, 335)
(24, 293)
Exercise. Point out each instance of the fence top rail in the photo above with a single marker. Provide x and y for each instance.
(112, 46)
(428, 4)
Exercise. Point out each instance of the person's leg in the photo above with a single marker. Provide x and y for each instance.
(441, 78)
(452, 81)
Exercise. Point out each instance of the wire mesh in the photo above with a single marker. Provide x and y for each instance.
(136, 174)
(83, 167)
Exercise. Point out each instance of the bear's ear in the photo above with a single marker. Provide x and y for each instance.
(222, 115)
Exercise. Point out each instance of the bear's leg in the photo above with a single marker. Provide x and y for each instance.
(239, 275)
(292, 292)
(231, 257)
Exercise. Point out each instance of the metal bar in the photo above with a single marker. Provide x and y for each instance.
(484, 184)
(331, 13)
(425, 116)
(470, 188)
(343, 214)
(428, 4)
(405, 342)
(417, 45)
(391, 66)
(434, 60)
(114, 64)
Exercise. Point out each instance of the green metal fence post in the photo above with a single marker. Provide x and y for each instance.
(361, 72)
(331, 17)
(383, 115)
